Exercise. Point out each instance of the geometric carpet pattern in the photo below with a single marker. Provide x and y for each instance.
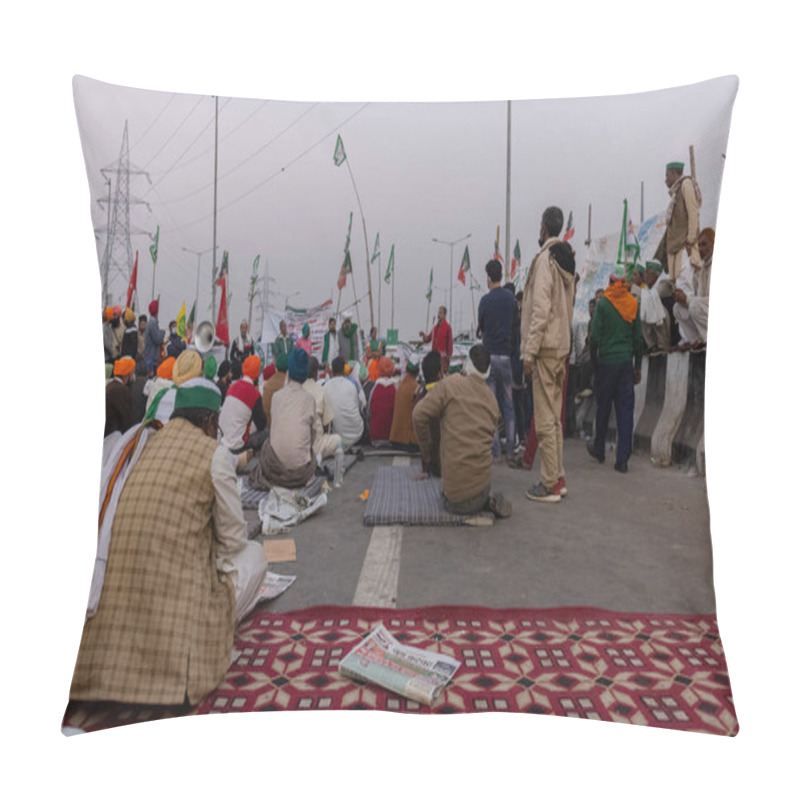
(662, 670)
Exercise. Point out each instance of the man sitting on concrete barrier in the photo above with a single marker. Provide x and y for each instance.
(653, 313)
(691, 299)
(468, 412)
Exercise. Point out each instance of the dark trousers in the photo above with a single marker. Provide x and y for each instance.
(613, 383)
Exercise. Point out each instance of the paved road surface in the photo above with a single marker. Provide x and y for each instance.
(634, 542)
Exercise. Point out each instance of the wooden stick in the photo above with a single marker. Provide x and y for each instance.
(691, 162)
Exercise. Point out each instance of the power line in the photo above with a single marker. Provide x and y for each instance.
(174, 133)
(226, 136)
(245, 160)
(153, 122)
(276, 173)
(191, 144)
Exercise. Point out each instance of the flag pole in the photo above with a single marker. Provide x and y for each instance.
(588, 241)
(394, 267)
(508, 191)
(366, 246)
(214, 256)
(380, 272)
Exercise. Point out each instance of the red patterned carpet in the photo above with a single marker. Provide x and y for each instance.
(664, 670)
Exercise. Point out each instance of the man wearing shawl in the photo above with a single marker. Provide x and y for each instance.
(546, 329)
(381, 403)
(242, 346)
(653, 313)
(617, 344)
(288, 458)
(174, 570)
(402, 433)
(679, 245)
(468, 413)
(119, 413)
(348, 340)
(691, 298)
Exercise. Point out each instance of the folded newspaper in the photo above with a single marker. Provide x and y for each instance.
(410, 671)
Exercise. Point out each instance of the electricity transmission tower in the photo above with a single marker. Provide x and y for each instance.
(117, 262)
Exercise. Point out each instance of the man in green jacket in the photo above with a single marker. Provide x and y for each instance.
(617, 344)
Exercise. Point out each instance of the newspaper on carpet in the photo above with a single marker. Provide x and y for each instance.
(274, 585)
(417, 674)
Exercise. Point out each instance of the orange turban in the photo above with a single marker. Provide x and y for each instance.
(347, 369)
(165, 368)
(373, 370)
(386, 366)
(709, 234)
(251, 367)
(108, 312)
(124, 366)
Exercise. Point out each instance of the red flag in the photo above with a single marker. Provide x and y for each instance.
(342, 280)
(570, 232)
(462, 276)
(132, 281)
(222, 317)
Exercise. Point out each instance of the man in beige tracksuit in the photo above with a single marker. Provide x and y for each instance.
(546, 327)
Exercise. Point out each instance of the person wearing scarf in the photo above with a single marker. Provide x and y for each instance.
(617, 344)
(468, 413)
(304, 342)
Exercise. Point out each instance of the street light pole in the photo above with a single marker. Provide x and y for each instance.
(197, 290)
(451, 245)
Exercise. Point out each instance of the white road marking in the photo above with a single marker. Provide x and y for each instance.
(380, 572)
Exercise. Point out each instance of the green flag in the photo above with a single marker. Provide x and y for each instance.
(349, 228)
(154, 246)
(429, 293)
(377, 251)
(629, 252)
(339, 154)
(224, 261)
(390, 268)
(191, 314)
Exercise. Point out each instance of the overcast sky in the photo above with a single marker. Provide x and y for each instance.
(422, 170)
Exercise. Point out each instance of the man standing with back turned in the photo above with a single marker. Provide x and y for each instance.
(546, 329)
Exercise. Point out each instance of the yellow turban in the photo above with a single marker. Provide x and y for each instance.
(129, 316)
(189, 364)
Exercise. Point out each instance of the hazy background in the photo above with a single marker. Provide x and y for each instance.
(423, 171)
